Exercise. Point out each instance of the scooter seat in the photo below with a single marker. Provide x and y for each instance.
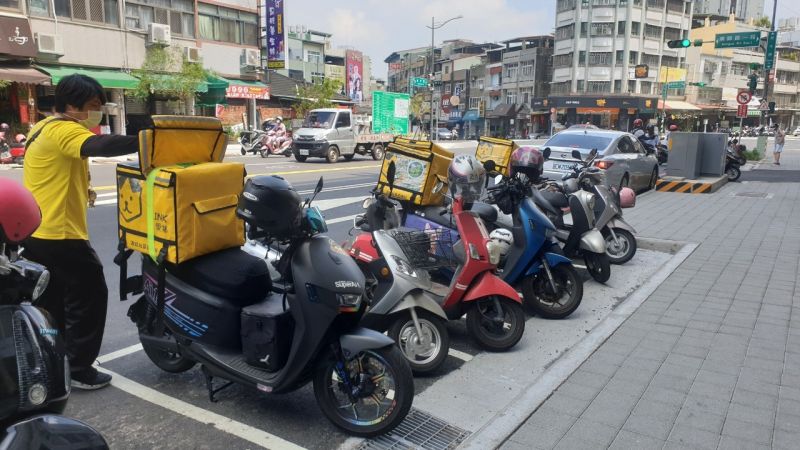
(486, 212)
(232, 274)
(434, 213)
(557, 199)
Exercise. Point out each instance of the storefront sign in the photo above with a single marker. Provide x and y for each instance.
(16, 39)
(395, 67)
(276, 40)
(445, 105)
(248, 92)
(603, 102)
(641, 71)
(354, 66)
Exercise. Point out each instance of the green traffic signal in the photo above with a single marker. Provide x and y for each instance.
(679, 43)
(698, 84)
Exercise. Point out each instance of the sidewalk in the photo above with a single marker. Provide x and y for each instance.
(712, 358)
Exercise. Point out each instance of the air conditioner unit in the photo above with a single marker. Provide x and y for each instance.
(158, 34)
(192, 54)
(49, 44)
(251, 57)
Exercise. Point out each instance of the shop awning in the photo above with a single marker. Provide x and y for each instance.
(161, 82)
(110, 79)
(23, 74)
(214, 93)
(677, 105)
(471, 115)
(504, 110)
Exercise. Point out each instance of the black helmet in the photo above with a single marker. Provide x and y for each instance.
(270, 203)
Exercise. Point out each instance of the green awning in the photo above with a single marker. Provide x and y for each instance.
(214, 93)
(111, 79)
(217, 82)
(245, 83)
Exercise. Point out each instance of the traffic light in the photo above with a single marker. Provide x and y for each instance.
(753, 83)
(698, 84)
(679, 43)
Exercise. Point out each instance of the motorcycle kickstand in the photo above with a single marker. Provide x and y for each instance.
(212, 392)
(549, 275)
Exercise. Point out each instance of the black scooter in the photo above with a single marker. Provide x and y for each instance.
(220, 310)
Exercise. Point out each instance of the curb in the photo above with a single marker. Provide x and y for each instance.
(690, 186)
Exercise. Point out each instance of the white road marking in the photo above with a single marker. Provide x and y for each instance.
(218, 421)
(466, 357)
(341, 219)
(112, 201)
(107, 194)
(119, 353)
(332, 203)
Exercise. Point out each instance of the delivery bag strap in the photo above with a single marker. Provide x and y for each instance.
(39, 131)
(132, 285)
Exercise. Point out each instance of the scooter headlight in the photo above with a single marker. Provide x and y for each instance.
(349, 302)
(495, 252)
(403, 266)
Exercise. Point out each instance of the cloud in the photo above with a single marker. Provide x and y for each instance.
(379, 27)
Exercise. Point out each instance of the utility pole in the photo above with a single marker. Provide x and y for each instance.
(435, 26)
(766, 49)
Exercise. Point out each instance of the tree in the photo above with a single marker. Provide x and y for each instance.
(763, 22)
(165, 72)
(316, 95)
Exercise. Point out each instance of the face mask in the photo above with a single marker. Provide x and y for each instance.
(92, 120)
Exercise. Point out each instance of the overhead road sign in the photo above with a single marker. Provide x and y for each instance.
(737, 40)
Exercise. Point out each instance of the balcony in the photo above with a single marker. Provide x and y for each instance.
(654, 16)
(602, 43)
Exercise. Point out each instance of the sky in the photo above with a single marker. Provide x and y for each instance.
(379, 27)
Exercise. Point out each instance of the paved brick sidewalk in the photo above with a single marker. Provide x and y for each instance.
(712, 358)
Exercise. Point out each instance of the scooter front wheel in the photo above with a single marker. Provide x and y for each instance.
(376, 397)
(733, 172)
(622, 249)
(598, 265)
(497, 324)
(540, 298)
(424, 353)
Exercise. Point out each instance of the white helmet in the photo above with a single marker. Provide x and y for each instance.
(503, 239)
(466, 177)
(279, 119)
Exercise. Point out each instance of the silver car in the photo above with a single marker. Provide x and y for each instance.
(623, 157)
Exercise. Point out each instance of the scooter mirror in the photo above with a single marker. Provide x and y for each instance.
(390, 174)
(546, 153)
(437, 188)
(318, 189)
(577, 155)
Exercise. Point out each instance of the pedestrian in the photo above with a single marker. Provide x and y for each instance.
(780, 139)
(56, 171)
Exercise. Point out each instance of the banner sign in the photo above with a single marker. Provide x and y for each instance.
(390, 112)
(248, 92)
(276, 40)
(354, 65)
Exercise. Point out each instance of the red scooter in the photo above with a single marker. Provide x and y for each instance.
(12, 153)
(271, 146)
(495, 317)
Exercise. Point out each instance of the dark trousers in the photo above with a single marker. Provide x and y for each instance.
(77, 296)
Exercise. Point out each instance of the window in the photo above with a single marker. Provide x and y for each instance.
(656, 4)
(447, 87)
(314, 57)
(510, 70)
(581, 58)
(600, 58)
(565, 32)
(625, 146)
(526, 94)
(621, 28)
(631, 86)
(617, 86)
(178, 14)
(343, 121)
(635, 28)
(227, 25)
(604, 2)
(647, 87)
(562, 60)
(511, 97)
(97, 11)
(527, 69)
(620, 57)
(583, 29)
(602, 29)
(669, 61)
(10, 4)
(474, 102)
(560, 88)
(652, 31)
(739, 68)
(650, 60)
(446, 69)
(633, 57)
(599, 86)
(581, 85)
(565, 5)
(671, 34)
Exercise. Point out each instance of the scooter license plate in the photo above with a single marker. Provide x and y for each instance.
(303, 152)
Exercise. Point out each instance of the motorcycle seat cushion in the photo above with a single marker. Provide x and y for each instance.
(557, 199)
(486, 212)
(232, 274)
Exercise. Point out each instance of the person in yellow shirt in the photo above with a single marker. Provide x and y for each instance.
(56, 171)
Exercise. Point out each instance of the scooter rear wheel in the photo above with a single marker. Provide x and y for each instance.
(733, 172)
(496, 329)
(422, 358)
(539, 298)
(381, 403)
(598, 265)
(167, 361)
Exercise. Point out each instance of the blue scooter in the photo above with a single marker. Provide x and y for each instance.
(550, 285)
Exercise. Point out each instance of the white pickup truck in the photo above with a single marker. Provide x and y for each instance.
(331, 133)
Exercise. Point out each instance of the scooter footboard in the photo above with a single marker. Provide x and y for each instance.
(362, 339)
(553, 259)
(488, 284)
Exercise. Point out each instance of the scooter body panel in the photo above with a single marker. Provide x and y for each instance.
(488, 284)
(553, 259)
(593, 241)
(533, 225)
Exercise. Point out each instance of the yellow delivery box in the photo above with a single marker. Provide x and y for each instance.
(419, 165)
(497, 150)
(179, 198)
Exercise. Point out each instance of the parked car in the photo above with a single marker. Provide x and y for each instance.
(443, 134)
(796, 132)
(624, 158)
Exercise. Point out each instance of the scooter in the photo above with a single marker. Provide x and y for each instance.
(582, 238)
(732, 167)
(495, 318)
(271, 147)
(253, 141)
(239, 329)
(13, 153)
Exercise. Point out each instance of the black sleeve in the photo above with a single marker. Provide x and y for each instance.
(110, 145)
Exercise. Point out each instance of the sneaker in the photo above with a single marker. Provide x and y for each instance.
(90, 379)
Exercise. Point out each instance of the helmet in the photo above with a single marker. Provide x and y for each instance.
(20, 138)
(466, 178)
(638, 123)
(503, 239)
(651, 129)
(4, 127)
(270, 203)
(19, 214)
(673, 127)
(527, 161)
(279, 119)
(627, 198)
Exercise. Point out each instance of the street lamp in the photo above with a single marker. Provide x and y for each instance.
(435, 26)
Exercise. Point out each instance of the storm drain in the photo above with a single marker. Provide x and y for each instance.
(752, 194)
(421, 431)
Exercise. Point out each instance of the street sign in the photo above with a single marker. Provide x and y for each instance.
(390, 112)
(445, 103)
(764, 106)
(419, 82)
(676, 85)
(741, 112)
(744, 97)
(769, 56)
(735, 40)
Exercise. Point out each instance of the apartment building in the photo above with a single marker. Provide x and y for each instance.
(743, 9)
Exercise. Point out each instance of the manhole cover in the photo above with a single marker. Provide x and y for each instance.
(751, 194)
(421, 431)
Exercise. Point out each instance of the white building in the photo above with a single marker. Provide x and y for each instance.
(743, 9)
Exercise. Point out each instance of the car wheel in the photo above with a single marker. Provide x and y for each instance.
(332, 155)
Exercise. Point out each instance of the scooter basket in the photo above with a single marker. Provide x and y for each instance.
(427, 250)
